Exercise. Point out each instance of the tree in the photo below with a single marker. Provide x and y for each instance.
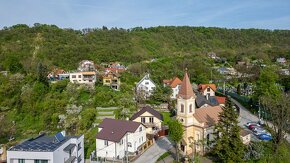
(228, 145)
(239, 89)
(279, 110)
(267, 84)
(176, 134)
(42, 73)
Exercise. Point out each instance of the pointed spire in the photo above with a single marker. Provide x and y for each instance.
(186, 91)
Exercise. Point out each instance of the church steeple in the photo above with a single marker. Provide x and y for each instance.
(186, 91)
(186, 102)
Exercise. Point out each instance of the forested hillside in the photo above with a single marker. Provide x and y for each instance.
(26, 46)
(29, 104)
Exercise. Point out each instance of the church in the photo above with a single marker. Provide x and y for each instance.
(198, 123)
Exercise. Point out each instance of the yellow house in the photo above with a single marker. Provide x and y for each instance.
(198, 123)
(150, 118)
(112, 79)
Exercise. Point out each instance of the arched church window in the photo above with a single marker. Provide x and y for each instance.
(182, 108)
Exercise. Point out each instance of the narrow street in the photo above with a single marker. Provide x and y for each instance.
(151, 155)
(247, 116)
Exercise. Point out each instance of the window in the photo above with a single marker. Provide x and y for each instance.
(79, 146)
(182, 108)
(143, 120)
(21, 161)
(190, 108)
(40, 161)
(140, 129)
(208, 89)
(151, 119)
(121, 142)
(142, 138)
(107, 81)
(106, 142)
(146, 83)
(80, 76)
(73, 76)
(129, 144)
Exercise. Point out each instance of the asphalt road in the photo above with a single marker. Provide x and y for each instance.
(151, 155)
(247, 116)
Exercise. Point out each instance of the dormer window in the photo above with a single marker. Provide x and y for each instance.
(182, 108)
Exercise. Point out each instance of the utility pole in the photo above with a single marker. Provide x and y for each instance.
(259, 111)
(127, 160)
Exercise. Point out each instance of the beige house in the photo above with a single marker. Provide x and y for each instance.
(83, 77)
(150, 118)
(198, 123)
(245, 136)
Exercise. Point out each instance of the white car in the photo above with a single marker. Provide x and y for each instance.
(259, 129)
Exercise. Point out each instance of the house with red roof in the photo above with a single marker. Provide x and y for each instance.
(174, 84)
(207, 89)
(118, 137)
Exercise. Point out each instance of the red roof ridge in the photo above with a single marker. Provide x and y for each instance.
(202, 87)
(186, 91)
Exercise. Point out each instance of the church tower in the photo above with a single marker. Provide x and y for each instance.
(185, 102)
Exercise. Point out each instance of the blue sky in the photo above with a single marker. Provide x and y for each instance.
(78, 14)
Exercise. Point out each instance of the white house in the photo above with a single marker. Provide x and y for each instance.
(207, 89)
(83, 77)
(149, 117)
(145, 86)
(175, 86)
(281, 60)
(115, 137)
(48, 149)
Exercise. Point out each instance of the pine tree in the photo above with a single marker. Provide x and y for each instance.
(228, 144)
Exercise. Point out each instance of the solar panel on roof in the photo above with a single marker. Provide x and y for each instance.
(59, 137)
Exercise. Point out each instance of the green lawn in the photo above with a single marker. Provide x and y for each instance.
(166, 117)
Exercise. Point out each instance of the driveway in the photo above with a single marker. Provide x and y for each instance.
(247, 116)
(155, 151)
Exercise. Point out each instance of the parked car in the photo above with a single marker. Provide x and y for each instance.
(250, 123)
(257, 133)
(259, 129)
(252, 126)
(265, 137)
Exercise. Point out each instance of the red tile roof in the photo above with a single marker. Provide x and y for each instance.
(202, 87)
(173, 82)
(186, 91)
(114, 130)
(220, 99)
(208, 115)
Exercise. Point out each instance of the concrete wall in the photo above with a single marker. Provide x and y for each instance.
(13, 156)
